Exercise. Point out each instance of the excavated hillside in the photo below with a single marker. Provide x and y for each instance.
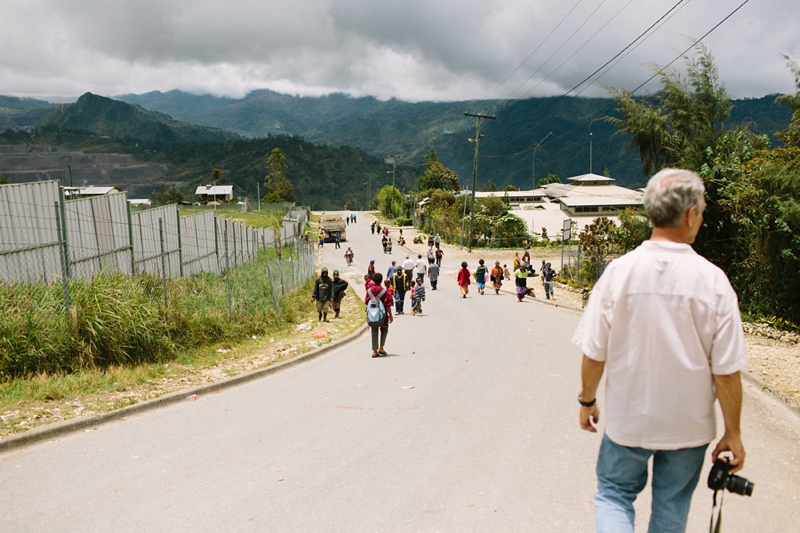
(26, 162)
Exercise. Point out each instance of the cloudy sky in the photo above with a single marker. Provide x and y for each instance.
(407, 49)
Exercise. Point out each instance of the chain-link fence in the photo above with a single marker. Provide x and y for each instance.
(88, 282)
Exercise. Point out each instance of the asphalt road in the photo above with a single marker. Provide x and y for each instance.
(470, 424)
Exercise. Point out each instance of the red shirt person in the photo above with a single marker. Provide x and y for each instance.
(387, 299)
(464, 279)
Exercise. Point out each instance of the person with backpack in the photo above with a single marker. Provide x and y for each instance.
(480, 276)
(379, 313)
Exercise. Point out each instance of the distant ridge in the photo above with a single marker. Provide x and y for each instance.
(106, 117)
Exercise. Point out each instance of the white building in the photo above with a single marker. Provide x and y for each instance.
(214, 193)
(583, 199)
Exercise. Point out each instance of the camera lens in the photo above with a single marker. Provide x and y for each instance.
(740, 485)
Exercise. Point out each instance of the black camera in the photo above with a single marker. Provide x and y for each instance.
(719, 479)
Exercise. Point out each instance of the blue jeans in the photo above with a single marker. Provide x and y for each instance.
(622, 475)
(548, 288)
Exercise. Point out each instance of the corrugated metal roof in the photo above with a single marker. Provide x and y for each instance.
(218, 190)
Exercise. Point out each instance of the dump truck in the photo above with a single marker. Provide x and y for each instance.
(331, 225)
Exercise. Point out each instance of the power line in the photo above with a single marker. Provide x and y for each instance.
(534, 51)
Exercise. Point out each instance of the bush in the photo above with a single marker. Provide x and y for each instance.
(404, 221)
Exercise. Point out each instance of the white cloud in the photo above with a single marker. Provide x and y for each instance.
(412, 50)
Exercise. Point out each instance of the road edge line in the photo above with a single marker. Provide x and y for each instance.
(65, 427)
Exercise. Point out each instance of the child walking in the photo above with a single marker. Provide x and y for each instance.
(463, 279)
(417, 298)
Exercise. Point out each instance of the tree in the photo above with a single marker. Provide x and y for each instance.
(767, 211)
(437, 176)
(489, 186)
(683, 126)
(634, 228)
(550, 178)
(387, 198)
(4, 180)
(510, 188)
(277, 183)
(597, 243)
(167, 196)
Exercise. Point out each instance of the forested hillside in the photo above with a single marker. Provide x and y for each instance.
(410, 129)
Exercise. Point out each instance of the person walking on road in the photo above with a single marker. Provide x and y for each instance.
(320, 239)
(547, 278)
(367, 283)
(464, 279)
(419, 297)
(421, 268)
(323, 292)
(399, 284)
(337, 239)
(663, 324)
(348, 256)
(372, 227)
(339, 286)
(392, 270)
(371, 268)
(408, 266)
(377, 291)
(480, 276)
(497, 277)
(433, 275)
(521, 281)
(438, 254)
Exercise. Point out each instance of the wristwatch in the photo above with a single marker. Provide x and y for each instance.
(586, 404)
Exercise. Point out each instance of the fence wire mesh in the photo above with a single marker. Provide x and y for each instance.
(88, 282)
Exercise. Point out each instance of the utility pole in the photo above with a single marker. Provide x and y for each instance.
(394, 175)
(533, 168)
(369, 191)
(478, 118)
(69, 167)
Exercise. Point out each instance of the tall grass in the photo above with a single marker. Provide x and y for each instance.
(119, 320)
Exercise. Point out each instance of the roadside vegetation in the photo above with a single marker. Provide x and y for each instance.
(43, 397)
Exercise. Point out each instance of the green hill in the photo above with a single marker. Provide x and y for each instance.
(106, 117)
(395, 127)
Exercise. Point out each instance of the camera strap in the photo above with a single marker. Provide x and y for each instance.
(716, 513)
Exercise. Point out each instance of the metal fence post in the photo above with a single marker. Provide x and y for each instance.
(130, 236)
(228, 271)
(163, 261)
(216, 243)
(180, 243)
(269, 275)
(280, 265)
(64, 235)
(62, 255)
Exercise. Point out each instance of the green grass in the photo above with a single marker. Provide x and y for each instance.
(118, 320)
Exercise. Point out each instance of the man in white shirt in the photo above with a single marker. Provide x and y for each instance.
(664, 324)
(408, 266)
(421, 268)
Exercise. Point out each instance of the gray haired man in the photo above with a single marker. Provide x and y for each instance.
(664, 325)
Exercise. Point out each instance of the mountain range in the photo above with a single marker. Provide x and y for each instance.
(335, 143)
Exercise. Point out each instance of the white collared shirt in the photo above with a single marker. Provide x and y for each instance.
(664, 319)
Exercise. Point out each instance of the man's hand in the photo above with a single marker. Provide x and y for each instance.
(733, 444)
(313, 300)
(589, 418)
